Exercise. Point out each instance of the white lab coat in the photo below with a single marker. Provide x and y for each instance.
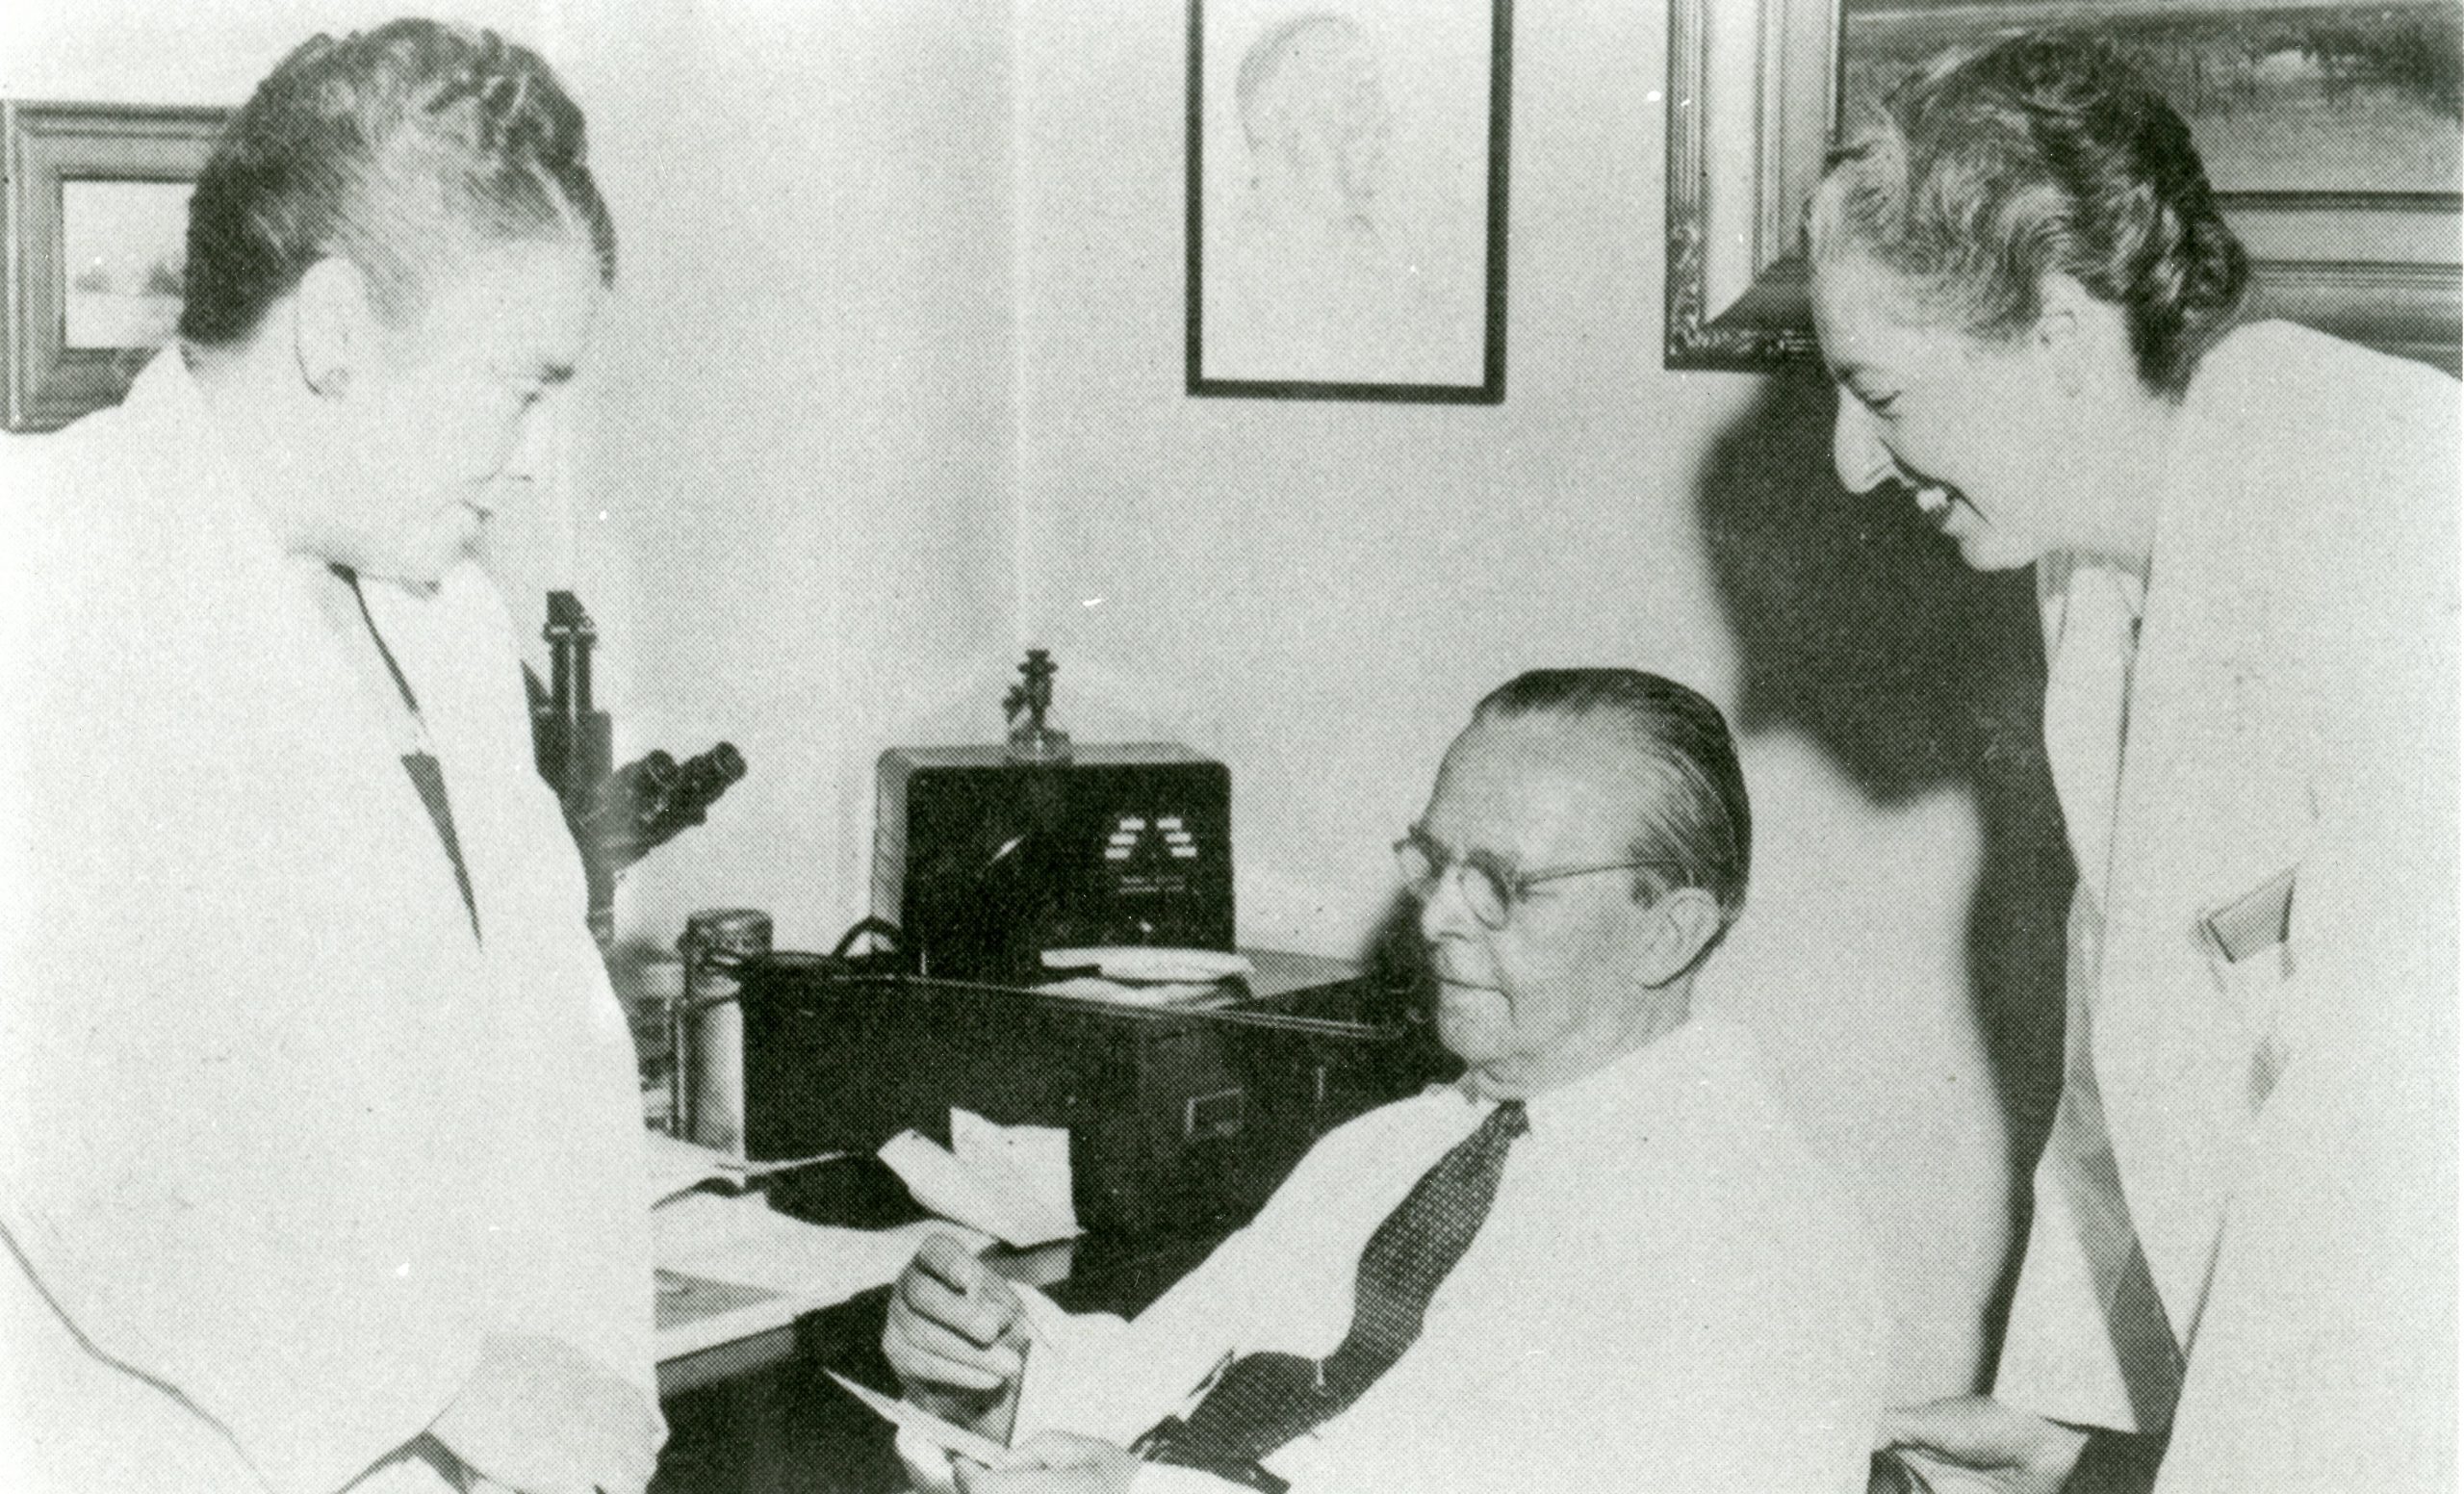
(1667, 1293)
(284, 1141)
(2283, 1126)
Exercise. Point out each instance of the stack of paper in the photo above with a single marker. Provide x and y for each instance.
(1150, 962)
(733, 1267)
(679, 1167)
(1136, 975)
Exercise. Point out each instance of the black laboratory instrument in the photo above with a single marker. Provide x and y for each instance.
(617, 816)
(986, 856)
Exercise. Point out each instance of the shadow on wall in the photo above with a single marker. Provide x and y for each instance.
(1861, 630)
(1400, 988)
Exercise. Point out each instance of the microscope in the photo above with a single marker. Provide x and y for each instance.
(617, 816)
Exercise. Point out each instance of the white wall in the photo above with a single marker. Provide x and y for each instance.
(1319, 591)
(197, 51)
(798, 454)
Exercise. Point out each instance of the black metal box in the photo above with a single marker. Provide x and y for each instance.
(984, 862)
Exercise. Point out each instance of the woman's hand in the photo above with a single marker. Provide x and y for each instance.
(1977, 1443)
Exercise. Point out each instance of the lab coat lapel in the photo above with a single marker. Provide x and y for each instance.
(244, 894)
(558, 1050)
(2211, 764)
(348, 775)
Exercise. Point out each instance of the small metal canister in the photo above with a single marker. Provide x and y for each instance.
(710, 1025)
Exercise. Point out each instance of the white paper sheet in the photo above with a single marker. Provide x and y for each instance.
(948, 1435)
(1036, 1158)
(676, 1167)
(1012, 1202)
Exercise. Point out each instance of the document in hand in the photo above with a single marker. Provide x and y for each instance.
(1012, 1182)
(946, 1436)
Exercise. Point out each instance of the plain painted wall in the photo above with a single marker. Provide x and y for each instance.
(201, 52)
(799, 461)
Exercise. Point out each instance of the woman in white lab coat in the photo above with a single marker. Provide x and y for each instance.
(323, 1165)
(2244, 1246)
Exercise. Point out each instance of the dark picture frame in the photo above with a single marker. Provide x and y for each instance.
(1753, 95)
(86, 181)
(1346, 199)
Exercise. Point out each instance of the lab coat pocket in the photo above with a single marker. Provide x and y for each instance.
(2246, 938)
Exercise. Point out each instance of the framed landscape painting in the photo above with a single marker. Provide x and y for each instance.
(2331, 130)
(95, 222)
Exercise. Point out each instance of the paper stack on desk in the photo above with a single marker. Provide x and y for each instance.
(1149, 963)
(1136, 975)
(679, 1167)
(1009, 1182)
(732, 1267)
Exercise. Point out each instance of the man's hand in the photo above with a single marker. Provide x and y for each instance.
(955, 1336)
(1977, 1443)
(1066, 1465)
(538, 1416)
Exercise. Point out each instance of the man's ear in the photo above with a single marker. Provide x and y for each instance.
(1685, 918)
(333, 328)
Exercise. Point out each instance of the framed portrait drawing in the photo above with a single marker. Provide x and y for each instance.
(2329, 129)
(95, 223)
(1346, 199)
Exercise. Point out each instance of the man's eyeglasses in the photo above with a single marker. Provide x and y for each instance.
(1491, 891)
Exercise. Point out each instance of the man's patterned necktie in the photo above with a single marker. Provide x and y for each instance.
(1263, 1401)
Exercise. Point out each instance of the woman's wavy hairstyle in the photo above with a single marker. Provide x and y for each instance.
(398, 148)
(2043, 153)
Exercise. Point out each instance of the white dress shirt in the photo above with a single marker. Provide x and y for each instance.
(1668, 1293)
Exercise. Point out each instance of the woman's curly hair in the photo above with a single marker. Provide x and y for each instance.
(2044, 153)
(394, 147)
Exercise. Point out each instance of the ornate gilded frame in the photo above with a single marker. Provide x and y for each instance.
(1751, 103)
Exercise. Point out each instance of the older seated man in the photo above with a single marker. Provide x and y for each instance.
(1603, 1260)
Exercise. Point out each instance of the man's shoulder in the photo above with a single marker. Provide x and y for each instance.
(1371, 1127)
(1710, 1135)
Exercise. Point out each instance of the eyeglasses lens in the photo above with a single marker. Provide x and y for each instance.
(1483, 894)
